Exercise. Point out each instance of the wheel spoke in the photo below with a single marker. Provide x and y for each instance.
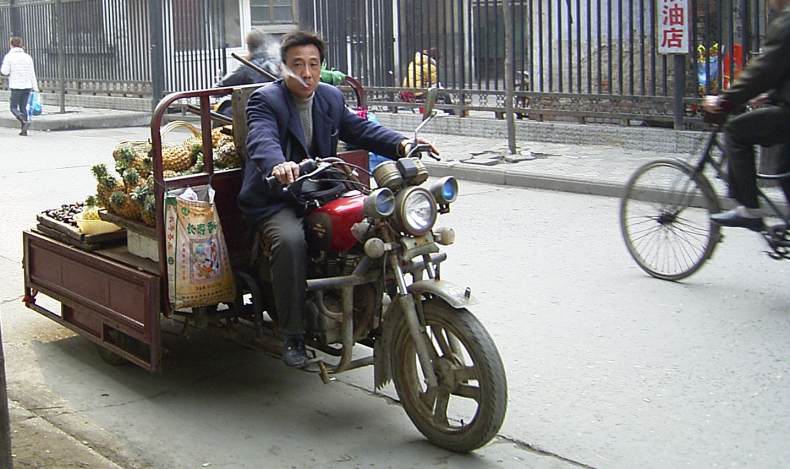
(441, 339)
(468, 391)
(440, 411)
(428, 397)
(467, 373)
(681, 238)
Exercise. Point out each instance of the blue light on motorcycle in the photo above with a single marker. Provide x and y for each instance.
(445, 190)
(380, 203)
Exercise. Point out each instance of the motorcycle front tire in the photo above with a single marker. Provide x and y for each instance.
(468, 368)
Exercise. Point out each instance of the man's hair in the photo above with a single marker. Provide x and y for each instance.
(301, 38)
(256, 40)
(16, 41)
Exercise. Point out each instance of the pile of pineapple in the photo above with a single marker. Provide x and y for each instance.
(131, 196)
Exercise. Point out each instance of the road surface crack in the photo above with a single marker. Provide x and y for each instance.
(538, 450)
(522, 445)
(11, 300)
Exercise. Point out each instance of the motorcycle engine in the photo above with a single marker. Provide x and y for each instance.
(367, 301)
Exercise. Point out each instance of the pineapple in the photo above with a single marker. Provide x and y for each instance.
(144, 197)
(90, 211)
(148, 212)
(131, 179)
(107, 184)
(123, 206)
(219, 134)
(169, 174)
(226, 156)
(177, 158)
(128, 156)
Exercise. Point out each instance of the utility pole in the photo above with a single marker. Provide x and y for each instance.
(509, 82)
(16, 29)
(157, 51)
(60, 22)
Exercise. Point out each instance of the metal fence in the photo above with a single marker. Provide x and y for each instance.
(579, 58)
(104, 44)
(576, 57)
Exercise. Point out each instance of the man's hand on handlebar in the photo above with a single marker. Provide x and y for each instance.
(286, 172)
(712, 104)
(406, 145)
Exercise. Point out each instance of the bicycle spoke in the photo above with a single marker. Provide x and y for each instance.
(664, 219)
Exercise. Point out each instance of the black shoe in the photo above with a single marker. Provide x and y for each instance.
(25, 125)
(732, 218)
(294, 353)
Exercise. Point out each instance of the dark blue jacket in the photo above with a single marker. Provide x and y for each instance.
(275, 130)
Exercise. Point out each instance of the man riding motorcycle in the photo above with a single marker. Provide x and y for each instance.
(296, 118)
(769, 72)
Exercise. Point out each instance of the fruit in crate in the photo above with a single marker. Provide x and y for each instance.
(177, 158)
(226, 155)
(133, 156)
(143, 196)
(148, 211)
(131, 179)
(91, 211)
(65, 213)
(122, 205)
(195, 147)
(220, 134)
(106, 184)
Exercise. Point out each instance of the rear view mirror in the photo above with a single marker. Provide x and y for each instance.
(430, 101)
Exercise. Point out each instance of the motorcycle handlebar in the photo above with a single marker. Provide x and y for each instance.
(305, 167)
(422, 148)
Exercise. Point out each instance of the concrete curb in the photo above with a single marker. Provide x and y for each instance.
(634, 138)
(77, 121)
(501, 175)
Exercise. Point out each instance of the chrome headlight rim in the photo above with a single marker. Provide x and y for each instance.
(402, 211)
(380, 203)
(445, 190)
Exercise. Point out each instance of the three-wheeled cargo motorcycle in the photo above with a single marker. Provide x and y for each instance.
(374, 281)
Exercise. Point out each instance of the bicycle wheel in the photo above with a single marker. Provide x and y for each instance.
(665, 219)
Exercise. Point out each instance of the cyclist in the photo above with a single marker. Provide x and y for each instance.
(769, 72)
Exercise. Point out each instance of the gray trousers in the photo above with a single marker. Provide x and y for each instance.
(285, 229)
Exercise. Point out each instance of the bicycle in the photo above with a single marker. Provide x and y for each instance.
(665, 214)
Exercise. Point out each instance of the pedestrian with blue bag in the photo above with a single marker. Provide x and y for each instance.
(18, 65)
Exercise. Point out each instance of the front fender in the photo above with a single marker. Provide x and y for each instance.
(452, 294)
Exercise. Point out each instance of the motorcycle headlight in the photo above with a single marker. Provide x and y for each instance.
(380, 203)
(445, 190)
(416, 210)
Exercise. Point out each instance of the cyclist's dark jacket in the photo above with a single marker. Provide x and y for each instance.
(770, 71)
(245, 75)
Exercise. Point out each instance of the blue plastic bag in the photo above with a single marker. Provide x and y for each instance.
(34, 106)
(375, 159)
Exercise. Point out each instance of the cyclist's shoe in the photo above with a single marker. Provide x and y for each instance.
(733, 218)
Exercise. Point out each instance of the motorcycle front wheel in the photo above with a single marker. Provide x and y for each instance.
(466, 409)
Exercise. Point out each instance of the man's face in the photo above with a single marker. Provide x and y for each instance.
(305, 63)
(778, 5)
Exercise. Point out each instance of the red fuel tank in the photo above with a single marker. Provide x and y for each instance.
(329, 226)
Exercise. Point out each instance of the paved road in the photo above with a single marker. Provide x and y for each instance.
(606, 367)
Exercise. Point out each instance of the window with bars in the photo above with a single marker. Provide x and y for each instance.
(265, 12)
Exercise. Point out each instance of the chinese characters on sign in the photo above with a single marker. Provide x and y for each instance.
(673, 26)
